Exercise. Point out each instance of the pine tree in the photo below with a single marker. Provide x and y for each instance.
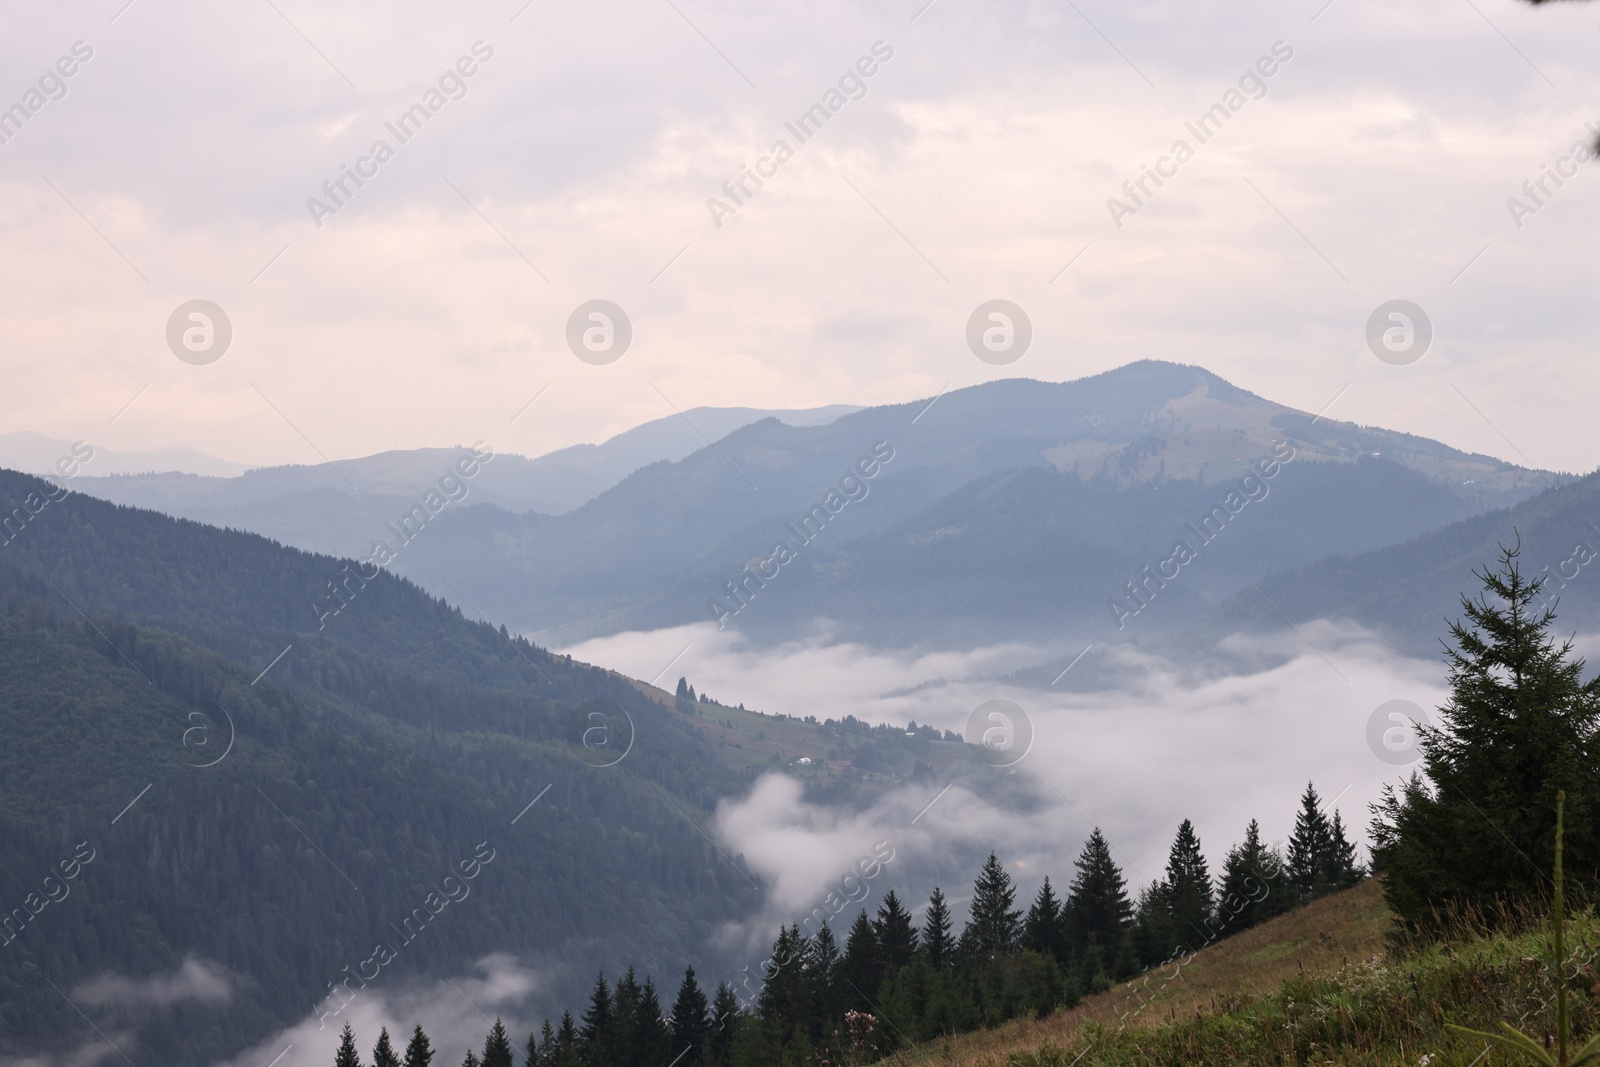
(1342, 871)
(419, 1053)
(1154, 939)
(726, 1022)
(542, 1047)
(994, 927)
(471, 1060)
(822, 978)
(624, 1043)
(1519, 724)
(569, 1045)
(937, 943)
(861, 970)
(689, 1023)
(1044, 930)
(649, 1030)
(897, 937)
(1189, 886)
(599, 1027)
(1310, 846)
(383, 1052)
(347, 1056)
(497, 1047)
(1255, 885)
(1097, 905)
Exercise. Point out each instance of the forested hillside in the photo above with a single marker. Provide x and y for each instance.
(275, 787)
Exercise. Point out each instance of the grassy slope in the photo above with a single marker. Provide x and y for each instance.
(1318, 986)
(1344, 928)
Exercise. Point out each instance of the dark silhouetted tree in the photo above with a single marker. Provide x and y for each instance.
(1519, 724)
(937, 943)
(347, 1056)
(994, 926)
(383, 1052)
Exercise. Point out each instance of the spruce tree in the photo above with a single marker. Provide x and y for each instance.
(625, 1037)
(897, 937)
(569, 1045)
(383, 1052)
(1310, 846)
(419, 1053)
(1097, 906)
(1154, 938)
(994, 927)
(1189, 886)
(496, 1047)
(861, 970)
(542, 1047)
(1255, 885)
(1519, 725)
(1044, 929)
(689, 1023)
(471, 1060)
(599, 1026)
(1342, 869)
(650, 1037)
(726, 1021)
(347, 1056)
(937, 943)
(822, 978)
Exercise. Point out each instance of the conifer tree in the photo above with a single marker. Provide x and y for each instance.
(822, 977)
(542, 1047)
(649, 1031)
(471, 1060)
(689, 1022)
(1310, 846)
(861, 970)
(1097, 905)
(897, 937)
(1519, 725)
(726, 1022)
(1044, 930)
(1342, 869)
(624, 1037)
(383, 1052)
(994, 927)
(1154, 939)
(1255, 885)
(1189, 886)
(496, 1047)
(419, 1053)
(569, 1046)
(347, 1056)
(937, 943)
(599, 1024)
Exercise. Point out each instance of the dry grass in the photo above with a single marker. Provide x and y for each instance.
(1343, 928)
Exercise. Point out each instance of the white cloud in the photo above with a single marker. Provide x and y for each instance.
(1234, 736)
(196, 980)
(455, 1012)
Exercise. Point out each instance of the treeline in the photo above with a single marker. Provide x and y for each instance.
(895, 982)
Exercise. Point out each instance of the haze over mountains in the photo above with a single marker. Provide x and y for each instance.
(371, 735)
(1005, 511)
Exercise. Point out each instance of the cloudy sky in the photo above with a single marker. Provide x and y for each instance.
(577, 160)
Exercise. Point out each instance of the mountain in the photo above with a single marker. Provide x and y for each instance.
(37, 454)
(1404, 591)
(270, 760)
(341, 507)
(1017, 509)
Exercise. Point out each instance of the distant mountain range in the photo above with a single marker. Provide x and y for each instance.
(341, 507)
(34, 453)
(1406, 591)
(1017, 509)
